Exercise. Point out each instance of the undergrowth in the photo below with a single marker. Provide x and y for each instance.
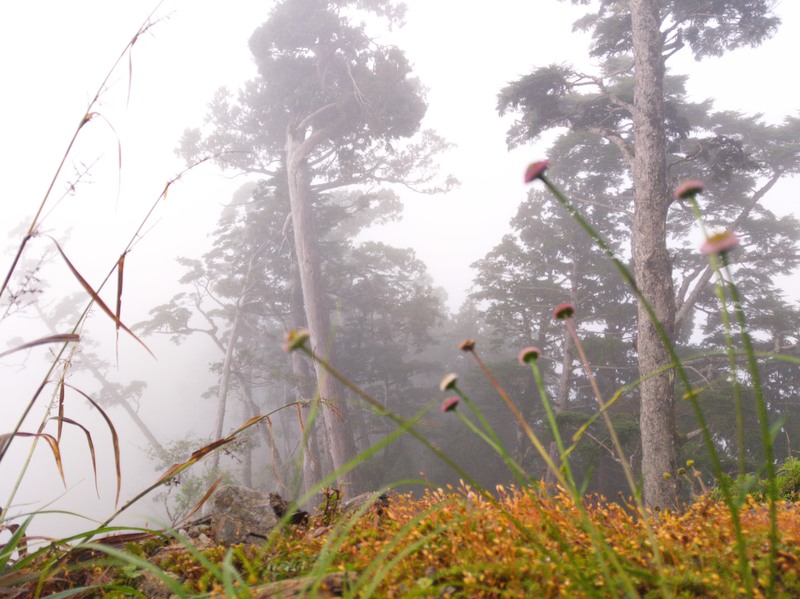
(524, 540)
(453, 542)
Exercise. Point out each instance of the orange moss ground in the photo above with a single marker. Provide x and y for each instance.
(532, 545)
(519, 544)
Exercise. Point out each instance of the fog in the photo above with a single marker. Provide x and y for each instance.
(56, 55)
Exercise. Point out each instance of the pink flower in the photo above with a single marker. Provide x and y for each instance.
(535, 170)
(450, 404)
(720, 243)
(564, 311)
(688, 189)
(529, 354)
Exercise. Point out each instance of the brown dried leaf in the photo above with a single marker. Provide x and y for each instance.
(114, 439)
(96, 298)
(206, 449)
(199, 454)
(59, 338)
(203, 499)
(51, 441)
(172, 471)
(62, 419)
(248, 424)
(120, 269)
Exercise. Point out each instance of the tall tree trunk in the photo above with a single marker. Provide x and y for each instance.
(651, 263)
(247, 465)
(267, 436)
(334, 410)
(224, 381)
(302, 391)
(227, 362)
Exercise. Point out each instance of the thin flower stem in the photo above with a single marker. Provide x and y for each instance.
(521, 420)
(491, 438)
(726, 323)
(586, 521)
(766, 432)
(417, 435)
(626, 467)
(520, 476)
(626, 275)
(488, 431)
(733, 503)
(603, 549)
(551, 418)
(737, 390)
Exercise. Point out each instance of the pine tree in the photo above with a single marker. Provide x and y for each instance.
(660, 138)
(245, 299)
(329, 109)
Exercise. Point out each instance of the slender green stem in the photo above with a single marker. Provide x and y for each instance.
(491, 439)
(418, 436)
(730, 346)
(553, 422)
(733, 502)
(603, 549)
(665, 339)
(626, 467)
(766, 432)
(521, 420)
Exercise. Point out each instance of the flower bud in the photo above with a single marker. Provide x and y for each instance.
(689, 189)
(467, 345)
(529, 354)
(448, 382)
(719, 243)
(295, 339)
(535, 170)
(564, 311)
(450, 404)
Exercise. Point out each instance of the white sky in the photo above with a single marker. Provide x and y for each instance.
(54, 54)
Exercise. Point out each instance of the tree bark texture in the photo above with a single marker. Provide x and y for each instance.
(652, 267)
(334, 410)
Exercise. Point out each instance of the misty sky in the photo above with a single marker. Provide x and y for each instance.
(55, 54)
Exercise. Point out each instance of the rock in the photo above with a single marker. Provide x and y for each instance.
(378, 503)
(280, 506)
(241, 515)
(153, 587)
(202, 542)
(197, 533)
